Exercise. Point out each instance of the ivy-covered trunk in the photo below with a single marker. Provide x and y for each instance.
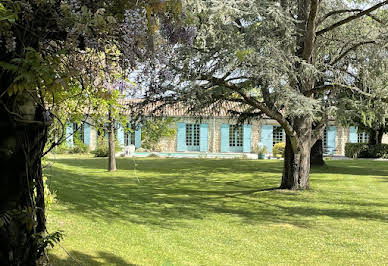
(23, 134)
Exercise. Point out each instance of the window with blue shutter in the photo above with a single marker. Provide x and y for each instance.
(247, 131)
(203, 138)
(353, 134)
(331, 140)
(267, 137)
(224, 138)
(181, 137)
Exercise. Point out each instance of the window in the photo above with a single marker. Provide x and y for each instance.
(192, 134)
(235, 136)
(324, 140)
(277, 135)
(362, 137)
(129, 138)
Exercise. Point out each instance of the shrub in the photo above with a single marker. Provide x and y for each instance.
(278, 149)
(363, 150)
(101, 151)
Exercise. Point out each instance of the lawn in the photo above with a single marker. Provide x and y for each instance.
(156, 211)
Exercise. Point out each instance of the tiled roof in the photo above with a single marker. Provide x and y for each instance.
(180, 109)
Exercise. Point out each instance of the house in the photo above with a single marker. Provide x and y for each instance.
(220, 133)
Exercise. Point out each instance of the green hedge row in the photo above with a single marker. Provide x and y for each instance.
(363, 150)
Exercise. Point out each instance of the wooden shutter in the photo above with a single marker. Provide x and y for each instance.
(120, 135)
(138, 137)
(267, 137)
(86, 134)
(353, 136)
(203, 137)
(331, 142)
(69, 135)
(181, 137)
(224, 138)
(247, 136)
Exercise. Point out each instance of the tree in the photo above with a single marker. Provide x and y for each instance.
(284, 59)
(154, 129)
(42, 47)
(367, 108)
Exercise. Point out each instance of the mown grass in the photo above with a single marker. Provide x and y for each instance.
(157, 211)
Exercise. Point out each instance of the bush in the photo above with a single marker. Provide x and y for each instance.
(79, 149)
(363, 150)
(278, 150)
(101, 151)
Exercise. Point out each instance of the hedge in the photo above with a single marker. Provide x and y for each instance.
(363, 150)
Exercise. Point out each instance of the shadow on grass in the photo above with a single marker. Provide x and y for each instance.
(78, 258)
(172, 190)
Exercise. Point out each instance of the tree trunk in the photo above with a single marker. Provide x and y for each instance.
(316, 155)
(376, 136)
(111, 144)
(22, 208)
(296, 170)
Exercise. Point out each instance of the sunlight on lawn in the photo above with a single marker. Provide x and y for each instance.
(156, 211)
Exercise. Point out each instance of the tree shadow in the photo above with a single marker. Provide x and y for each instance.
(169, 191)
(78, 258)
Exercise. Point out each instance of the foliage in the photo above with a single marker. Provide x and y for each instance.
(50, 197)
(101, 151)
(78, 146)
(363, 150)
(154, 129)
(278, 149)
(201, 210)
(260, 149)
(269, 57)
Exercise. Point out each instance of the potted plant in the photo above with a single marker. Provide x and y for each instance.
(261, 150)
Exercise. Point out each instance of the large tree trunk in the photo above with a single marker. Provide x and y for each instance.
(22, 209)
(296, 171)
(316, 156)
(376, 136)
(111, 144)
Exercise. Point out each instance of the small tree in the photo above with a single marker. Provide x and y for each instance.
(154, 129)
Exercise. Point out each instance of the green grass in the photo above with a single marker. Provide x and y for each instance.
(217, 212)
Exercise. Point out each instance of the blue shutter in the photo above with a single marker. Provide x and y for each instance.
(247, 136)
(86, 134)
(224, 138)
(353, 136)
(331, 142)
(203, 137)
(181, 137)
(138, 137)
(69, 135)
(120, 135)
(267, 137)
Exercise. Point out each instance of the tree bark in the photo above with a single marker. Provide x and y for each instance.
(316, 155)
(22, 208)
(376, 136)
(111, 144)
(296, 171)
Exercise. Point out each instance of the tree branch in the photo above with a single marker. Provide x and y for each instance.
(352, 17)
(354, 47)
